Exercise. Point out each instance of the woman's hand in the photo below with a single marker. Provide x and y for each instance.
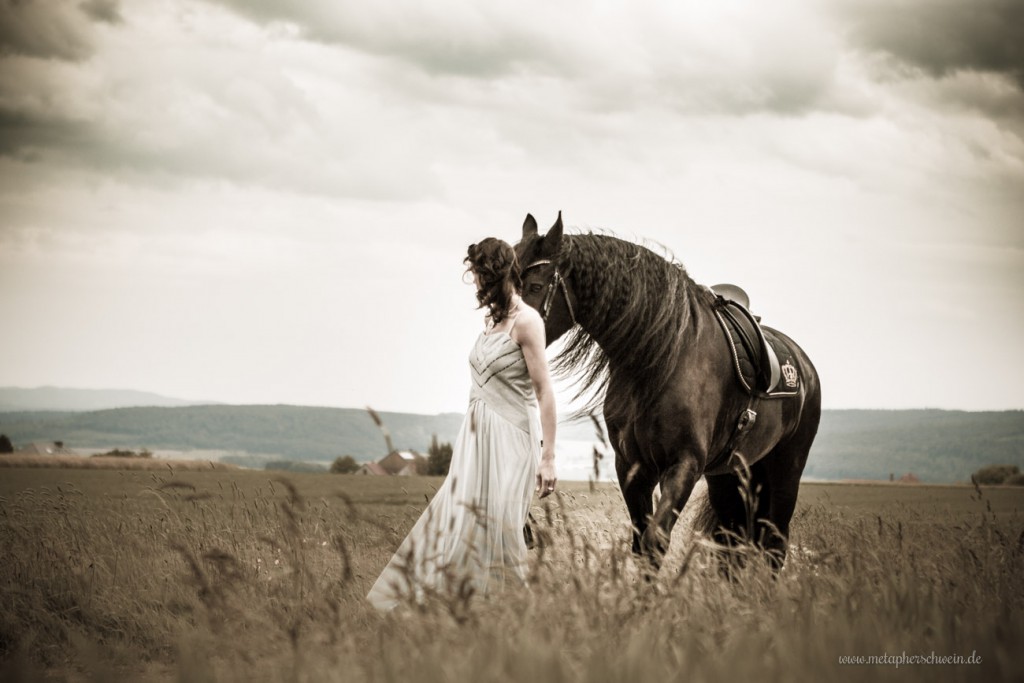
(546, 478)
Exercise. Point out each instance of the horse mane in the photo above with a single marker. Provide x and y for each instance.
(639, 304)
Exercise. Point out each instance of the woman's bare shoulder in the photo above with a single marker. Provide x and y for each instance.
(529, 327)
(528, 313)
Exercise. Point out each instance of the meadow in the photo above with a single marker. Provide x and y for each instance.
(238, 575)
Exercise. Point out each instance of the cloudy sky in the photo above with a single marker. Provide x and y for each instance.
(260, 202)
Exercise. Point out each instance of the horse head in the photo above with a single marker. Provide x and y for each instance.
(545, 284)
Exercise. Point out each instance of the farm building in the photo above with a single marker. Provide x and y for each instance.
(45, 448)
(400, 463)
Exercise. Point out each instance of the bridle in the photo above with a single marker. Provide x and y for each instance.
(549, 296)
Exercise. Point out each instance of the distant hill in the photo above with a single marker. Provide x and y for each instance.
(71, 400)
(285, 432)
(934, 445)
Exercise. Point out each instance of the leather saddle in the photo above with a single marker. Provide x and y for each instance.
(755, 350)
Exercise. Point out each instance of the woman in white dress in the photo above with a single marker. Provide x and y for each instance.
(470, 538)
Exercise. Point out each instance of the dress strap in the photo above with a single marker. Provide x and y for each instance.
(515, 319)
(490, 325)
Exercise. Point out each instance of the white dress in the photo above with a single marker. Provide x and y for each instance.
(470, 537)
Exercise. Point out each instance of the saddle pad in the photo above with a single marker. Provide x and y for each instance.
(789, 381)
(765, 366)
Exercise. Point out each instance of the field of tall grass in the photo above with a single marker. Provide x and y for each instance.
(230, 576)
(109, 463)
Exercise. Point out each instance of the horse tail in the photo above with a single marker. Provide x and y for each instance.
(704, 519)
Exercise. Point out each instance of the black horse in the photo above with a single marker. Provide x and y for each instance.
(653, 349)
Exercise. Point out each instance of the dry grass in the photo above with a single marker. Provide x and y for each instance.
(110, 463)
(224, 576)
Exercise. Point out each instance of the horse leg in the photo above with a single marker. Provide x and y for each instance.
(637, 487)
(677, 484)
(726, 520)
(785, 466)
(738, 512)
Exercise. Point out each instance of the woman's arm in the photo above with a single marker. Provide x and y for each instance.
(530, 336)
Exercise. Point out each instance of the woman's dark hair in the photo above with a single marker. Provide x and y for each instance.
(497, 268)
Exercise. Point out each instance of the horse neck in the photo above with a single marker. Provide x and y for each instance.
(616, 311)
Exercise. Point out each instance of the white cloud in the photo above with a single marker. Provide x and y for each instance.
(271, 204)
(207, 96)
(57, 29)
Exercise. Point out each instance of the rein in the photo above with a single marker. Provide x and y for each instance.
(549, 296)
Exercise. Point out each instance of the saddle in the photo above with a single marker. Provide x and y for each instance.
(764, 363)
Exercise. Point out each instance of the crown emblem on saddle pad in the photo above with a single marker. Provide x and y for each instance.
(789, 373)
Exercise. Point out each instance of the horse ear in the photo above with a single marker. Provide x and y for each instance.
(529, 226)
(553, 240)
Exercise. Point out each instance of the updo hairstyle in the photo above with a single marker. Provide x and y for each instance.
(495, 264)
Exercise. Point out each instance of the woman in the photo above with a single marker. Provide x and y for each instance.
(470, 538)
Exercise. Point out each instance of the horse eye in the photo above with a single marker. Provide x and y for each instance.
(536, 287)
